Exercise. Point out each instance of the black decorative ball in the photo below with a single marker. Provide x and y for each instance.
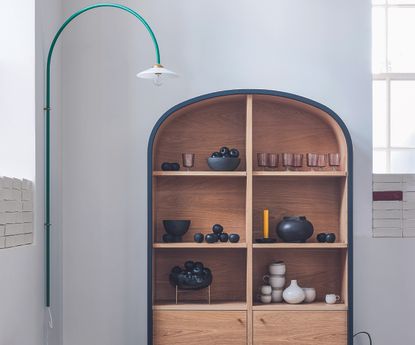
(234, 238)
(199, 237)
(321, 237)
(211, 238)
(224, 237)
(217, 229)
(330, 238)
(166, 166)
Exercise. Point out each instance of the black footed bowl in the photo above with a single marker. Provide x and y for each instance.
(190, 281)
(223, 163)
(176, 227)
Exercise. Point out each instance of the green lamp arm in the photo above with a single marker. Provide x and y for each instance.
(47, 120)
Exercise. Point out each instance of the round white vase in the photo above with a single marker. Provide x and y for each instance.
(293, 294)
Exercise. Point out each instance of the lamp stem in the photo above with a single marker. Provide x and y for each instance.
(47, 122)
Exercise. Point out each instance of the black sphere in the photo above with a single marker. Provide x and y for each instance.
(188, 265)
(211, 238)
(224, 150)
(234, 238)
(217, 229)
(224, 237)
(321, 237)
(199, 237)
(330, 238)
(216, 155)
(234, 153)
(166, 166)
(175, 166)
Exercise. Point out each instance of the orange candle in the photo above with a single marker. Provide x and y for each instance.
(266, 223)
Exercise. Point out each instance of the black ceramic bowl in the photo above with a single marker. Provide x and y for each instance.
(176, 227)
(223, 163)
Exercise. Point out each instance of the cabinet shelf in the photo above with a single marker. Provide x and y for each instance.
(200, 173)
(193, 245)
(299, 245)
(301, 173)
(316, 306)
(201, 306)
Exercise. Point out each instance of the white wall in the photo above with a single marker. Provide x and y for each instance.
(21, 287)
(319, 49)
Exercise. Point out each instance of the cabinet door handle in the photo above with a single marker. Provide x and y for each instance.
(240, 321)
(262, 320)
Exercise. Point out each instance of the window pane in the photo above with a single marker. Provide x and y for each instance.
(401, 31)
(403, 113)
(378, 40)
(379, 162)
(403, 161)
(401, 2)
(378, 2)
(379, 114)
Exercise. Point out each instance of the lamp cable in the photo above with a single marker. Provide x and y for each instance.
(366, 333)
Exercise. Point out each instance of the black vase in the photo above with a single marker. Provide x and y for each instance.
(295, 229)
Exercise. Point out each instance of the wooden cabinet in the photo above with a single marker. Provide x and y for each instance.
(300, 327)
(253, 121)
(199, 328)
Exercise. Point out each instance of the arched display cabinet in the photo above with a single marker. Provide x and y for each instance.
(252, 121)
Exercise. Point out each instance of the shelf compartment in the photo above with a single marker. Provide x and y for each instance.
(316, 306)
(195, 245)
(322, 269)
(228, 267)
(300, 173)
(201, 173)
(201, 129)
(320, 199)
(204, 201)
(201, 306)
(300, 245)
(281, 125)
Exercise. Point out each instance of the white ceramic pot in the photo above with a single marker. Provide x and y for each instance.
(293, 294)
(277, 268)
(266, 289)
(276, 296)
(310, 295)
(265, 298)
(276, 281)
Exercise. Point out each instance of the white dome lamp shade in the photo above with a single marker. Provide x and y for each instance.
(158, 73)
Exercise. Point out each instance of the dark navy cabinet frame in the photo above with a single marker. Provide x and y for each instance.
(150, 188)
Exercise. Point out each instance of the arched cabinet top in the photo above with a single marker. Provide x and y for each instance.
(281, 122)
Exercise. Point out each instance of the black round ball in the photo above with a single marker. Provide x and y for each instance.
(166, 166)
(188, 265)
(175, 166)
(330, 238)
(234, 238)
(224, 150)
(217, 229)
(224, 237)
(216, 155)
(234, 153)
(321, 237)
(199, 237)
(199, 264)
(210, 238)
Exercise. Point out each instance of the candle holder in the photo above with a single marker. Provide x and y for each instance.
(334, 160)
(272, 160)
(262, 160)
(265, 240)
(287, 160)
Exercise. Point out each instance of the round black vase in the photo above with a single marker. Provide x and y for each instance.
(295, 229)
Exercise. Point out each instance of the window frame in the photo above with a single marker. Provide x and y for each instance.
(389, 77)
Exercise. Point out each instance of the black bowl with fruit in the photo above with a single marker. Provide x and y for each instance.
(194, 276)
(224, 160)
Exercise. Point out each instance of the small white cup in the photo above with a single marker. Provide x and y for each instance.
(310, 295)
(276, 281)
(277, 268)
(266, 290)
(266, 298)
(332, 298)
(276, 295)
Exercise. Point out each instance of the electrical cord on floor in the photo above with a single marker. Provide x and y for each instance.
(368, 335)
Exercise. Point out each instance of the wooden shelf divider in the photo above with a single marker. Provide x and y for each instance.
(201, 306)
(316, 306)
(300, 245)
(194, 245)
(201, 173)
(324, 173)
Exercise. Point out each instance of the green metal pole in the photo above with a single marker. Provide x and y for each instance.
(47, 121)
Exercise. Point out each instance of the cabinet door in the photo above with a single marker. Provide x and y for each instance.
(199, 328)
(300, 328)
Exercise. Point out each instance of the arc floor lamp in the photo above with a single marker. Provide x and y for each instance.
(156, 73)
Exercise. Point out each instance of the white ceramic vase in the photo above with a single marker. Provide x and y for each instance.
(293, 294)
